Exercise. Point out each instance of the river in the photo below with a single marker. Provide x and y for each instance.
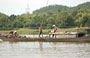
(44, 50)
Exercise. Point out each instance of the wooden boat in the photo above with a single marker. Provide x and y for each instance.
(76, 38)
(47, 39)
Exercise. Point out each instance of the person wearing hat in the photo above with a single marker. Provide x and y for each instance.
(15, 34)
(54, 29)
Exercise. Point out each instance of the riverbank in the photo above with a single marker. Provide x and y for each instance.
(36, 31)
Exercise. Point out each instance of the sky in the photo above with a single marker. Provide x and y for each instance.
(18, 7)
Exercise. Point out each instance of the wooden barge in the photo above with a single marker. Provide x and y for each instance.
(58, 37)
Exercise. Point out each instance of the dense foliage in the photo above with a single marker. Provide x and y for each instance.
(62, 16)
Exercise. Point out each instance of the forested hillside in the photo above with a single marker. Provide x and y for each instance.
(51, 8)
(62, 16)
(57, 8)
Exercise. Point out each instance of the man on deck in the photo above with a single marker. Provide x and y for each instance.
(40, 31)
(54, 29)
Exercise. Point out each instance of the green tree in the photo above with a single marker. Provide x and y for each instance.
(5, 22)
(61, 19)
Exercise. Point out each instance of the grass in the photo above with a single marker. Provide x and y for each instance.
(72, 30)
(35, 31)
(25, 31)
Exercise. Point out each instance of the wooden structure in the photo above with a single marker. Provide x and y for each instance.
(66, 35)
(59, 37)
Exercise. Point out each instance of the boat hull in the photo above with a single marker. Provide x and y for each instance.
(48, 39)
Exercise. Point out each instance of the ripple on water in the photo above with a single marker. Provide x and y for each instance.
(44, 49)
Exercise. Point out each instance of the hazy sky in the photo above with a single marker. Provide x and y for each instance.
(19, 6)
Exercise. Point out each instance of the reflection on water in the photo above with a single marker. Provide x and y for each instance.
(44, 49)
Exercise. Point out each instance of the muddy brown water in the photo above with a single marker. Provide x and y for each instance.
(44, 49)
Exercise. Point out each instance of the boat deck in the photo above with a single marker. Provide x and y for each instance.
(58, 37)
(47, 39)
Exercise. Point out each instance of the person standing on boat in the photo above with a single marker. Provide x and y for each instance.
(40, 31)
(54, 29)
